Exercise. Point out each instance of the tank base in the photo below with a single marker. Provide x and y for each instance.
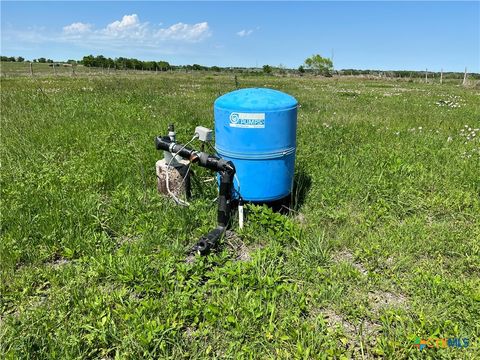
(282, 206)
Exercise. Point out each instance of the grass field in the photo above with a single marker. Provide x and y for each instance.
(383, 249)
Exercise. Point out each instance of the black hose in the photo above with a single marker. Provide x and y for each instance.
(209, 241)
(226, 169)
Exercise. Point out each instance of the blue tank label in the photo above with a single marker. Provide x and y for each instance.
(247, 120)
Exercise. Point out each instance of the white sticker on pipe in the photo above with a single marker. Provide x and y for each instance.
(240, 216)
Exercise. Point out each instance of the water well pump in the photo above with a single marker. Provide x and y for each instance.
(255, 129)
(226, 171)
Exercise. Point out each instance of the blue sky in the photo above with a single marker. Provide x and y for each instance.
(362, 35)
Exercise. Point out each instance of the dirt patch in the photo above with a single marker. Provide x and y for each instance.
(300, 218)
(125, 239)
(108, 288)
(364, 330)
(190, 332)
(58, 263)
(335, 320)
(390, 262)
(190, 258)
(347, 256)
(237, 247)
(379, 300)
(369, 331)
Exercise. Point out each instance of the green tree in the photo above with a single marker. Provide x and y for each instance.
(267, 69)
(319, 64)
(301, 69)
(198, 67)
(163, 65)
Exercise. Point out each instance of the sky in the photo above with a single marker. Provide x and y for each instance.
(361, 35)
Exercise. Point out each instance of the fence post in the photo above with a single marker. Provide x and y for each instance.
(465, 77)
(54, 69)
(31, 69)
(426, 76)
(441, 77)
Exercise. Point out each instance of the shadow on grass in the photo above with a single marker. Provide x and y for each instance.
(302, 182)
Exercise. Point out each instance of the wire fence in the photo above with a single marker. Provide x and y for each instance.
(14, 69)
(33, 69)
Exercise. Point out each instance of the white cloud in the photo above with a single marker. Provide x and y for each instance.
(185, 32)
(244, 32)
(131, 28)
(77, 28)
(128, 21)
(127, 35)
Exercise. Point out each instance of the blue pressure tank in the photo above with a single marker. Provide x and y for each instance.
(256, 130)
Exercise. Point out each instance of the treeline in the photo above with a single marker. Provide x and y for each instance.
(41, 60)
(122, 63)
(12, 58)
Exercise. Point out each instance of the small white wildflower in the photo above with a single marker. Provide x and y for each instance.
(449, 139)
(420, 128)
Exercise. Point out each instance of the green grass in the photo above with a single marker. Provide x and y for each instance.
(385, 247)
